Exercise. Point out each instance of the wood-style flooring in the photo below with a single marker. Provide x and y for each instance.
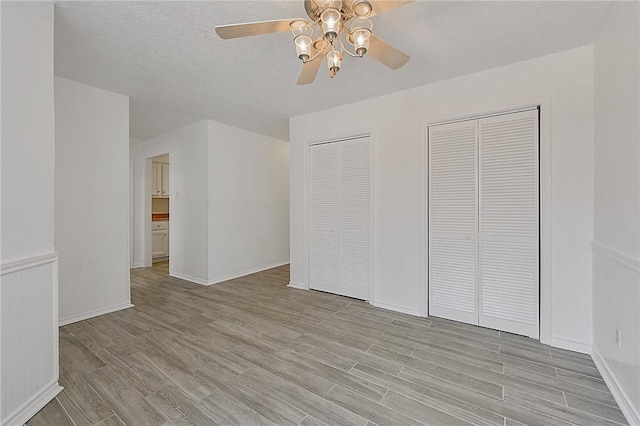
(252, 351)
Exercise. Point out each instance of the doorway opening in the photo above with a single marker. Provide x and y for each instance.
(160, 208)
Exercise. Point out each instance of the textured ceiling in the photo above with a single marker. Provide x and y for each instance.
(168, 59)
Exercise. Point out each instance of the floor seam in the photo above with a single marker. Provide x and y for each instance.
(65, 411)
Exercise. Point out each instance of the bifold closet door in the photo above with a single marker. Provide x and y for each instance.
(323, 217)
(354, 218)
(340, 217)
(453, 221)
(509, 222)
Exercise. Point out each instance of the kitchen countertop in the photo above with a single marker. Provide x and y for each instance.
(159, 217)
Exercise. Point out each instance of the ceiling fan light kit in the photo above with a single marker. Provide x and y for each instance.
(339, 23)
(360, 34)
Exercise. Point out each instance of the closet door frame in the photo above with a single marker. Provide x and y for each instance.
(307, 203)
(543, 104)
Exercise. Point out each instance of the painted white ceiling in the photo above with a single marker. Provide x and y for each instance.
(176, 70)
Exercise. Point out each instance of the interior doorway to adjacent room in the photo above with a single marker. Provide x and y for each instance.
(160, 208)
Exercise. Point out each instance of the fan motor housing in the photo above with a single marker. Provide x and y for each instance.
(313, 10)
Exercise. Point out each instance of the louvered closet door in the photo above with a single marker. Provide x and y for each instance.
(509, 225)
(354, 217)
(323, 212)
(340, 217)
(453, 221)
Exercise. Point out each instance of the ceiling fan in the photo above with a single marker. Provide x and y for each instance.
(336, 24)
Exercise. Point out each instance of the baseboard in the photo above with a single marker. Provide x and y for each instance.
(95, 314)
(27, 410)
(624, 402)
(247, 272)
(397, 308)
(136, 266)
(188, 278)
(298, 285)
(571, 345)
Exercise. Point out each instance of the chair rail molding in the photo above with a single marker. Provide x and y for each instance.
(21, 264)
(620, 257)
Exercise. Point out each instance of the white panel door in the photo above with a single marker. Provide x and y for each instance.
(453, 221)
(323, 217)
(509, 224)
(354, 217)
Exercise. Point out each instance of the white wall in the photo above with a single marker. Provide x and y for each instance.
(132, 202)
(229, 201)
(92, 199)
(248, 202)
(28, 271)
(188, 221)
(397, 123)
(616, 257)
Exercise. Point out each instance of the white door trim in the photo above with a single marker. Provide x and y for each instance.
(546, 285)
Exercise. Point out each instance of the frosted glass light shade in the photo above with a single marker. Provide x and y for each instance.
(331, 23)
(299, 28)
(361, 32)
(334, 61)
(303, 47)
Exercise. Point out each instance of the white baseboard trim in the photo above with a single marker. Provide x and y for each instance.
(17, 265)
(27, 410)
(397, 308)
(624, 402)
(222, 279)
(247, 272)
(299, 286)
(136, 266)
(189, 278)
(95, 314)
(571, 345)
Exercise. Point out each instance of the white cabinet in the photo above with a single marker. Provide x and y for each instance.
(160, 180)
(159, 239)
(156, 179)
(165, 180)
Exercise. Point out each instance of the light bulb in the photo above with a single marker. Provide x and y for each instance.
(334, 60)
(361, 32)
(303, 47)
(331, 23)
(302, 38)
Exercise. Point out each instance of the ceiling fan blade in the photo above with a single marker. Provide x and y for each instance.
(310, 70)
(381, 6)
(385, 53)
(255, 28)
